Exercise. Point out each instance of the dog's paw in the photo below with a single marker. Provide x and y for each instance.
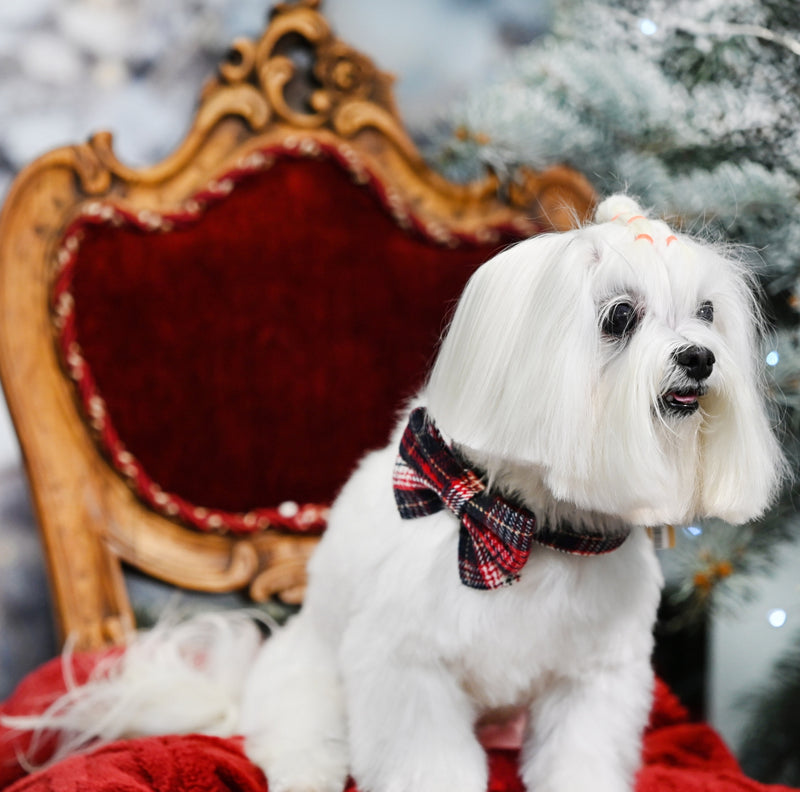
(429, 779)
(440, 768)
(308, 782)
(321, 770)
(586, 779)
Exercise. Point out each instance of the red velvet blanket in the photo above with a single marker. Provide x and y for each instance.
(679, 756)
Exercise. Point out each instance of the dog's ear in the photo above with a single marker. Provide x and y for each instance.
(516, 370)
(743, 465)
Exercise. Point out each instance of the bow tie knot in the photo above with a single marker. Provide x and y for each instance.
(459, 493)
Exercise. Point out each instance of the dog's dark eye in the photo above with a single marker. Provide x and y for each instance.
(706, 312)
(620, 319)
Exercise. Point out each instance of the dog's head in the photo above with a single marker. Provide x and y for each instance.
(620, 361)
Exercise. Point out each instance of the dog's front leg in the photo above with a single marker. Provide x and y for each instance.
(411, 728)
(585, 732)
(293, 716)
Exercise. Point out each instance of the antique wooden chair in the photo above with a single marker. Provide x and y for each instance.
(196, 353)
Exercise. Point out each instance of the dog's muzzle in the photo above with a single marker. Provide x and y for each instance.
(696, 364)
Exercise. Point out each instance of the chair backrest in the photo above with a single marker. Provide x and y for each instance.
(195, 354)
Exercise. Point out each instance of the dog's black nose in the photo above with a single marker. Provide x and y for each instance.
(696, 361)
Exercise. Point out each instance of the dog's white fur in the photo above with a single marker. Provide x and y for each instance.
(392, 660)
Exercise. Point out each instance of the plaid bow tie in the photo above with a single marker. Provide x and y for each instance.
(496, 536)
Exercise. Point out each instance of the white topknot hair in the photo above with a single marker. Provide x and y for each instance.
(614, 207)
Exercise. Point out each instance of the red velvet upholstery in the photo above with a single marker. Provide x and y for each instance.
(679, 756)
(250, 348)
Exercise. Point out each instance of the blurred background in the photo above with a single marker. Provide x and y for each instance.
(692, 107)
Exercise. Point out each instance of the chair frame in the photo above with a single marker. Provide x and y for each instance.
(89, 518)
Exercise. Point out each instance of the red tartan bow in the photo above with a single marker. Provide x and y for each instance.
(496, 536)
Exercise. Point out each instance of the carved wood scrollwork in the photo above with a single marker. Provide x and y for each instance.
(333, 86)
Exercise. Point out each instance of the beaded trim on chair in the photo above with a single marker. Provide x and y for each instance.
(289, 516)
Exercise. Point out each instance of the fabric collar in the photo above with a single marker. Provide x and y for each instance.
(496, 535)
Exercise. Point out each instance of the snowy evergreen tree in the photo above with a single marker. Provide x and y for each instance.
(693, 107)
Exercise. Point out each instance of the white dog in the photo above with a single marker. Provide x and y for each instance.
(591, 383)
(494, 554)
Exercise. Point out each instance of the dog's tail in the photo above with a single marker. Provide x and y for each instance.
(178, 677)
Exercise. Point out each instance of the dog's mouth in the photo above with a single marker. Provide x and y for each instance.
(684, 401)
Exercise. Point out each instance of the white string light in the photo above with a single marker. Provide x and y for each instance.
(777, 617)
(693, 530)
(648, 27)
